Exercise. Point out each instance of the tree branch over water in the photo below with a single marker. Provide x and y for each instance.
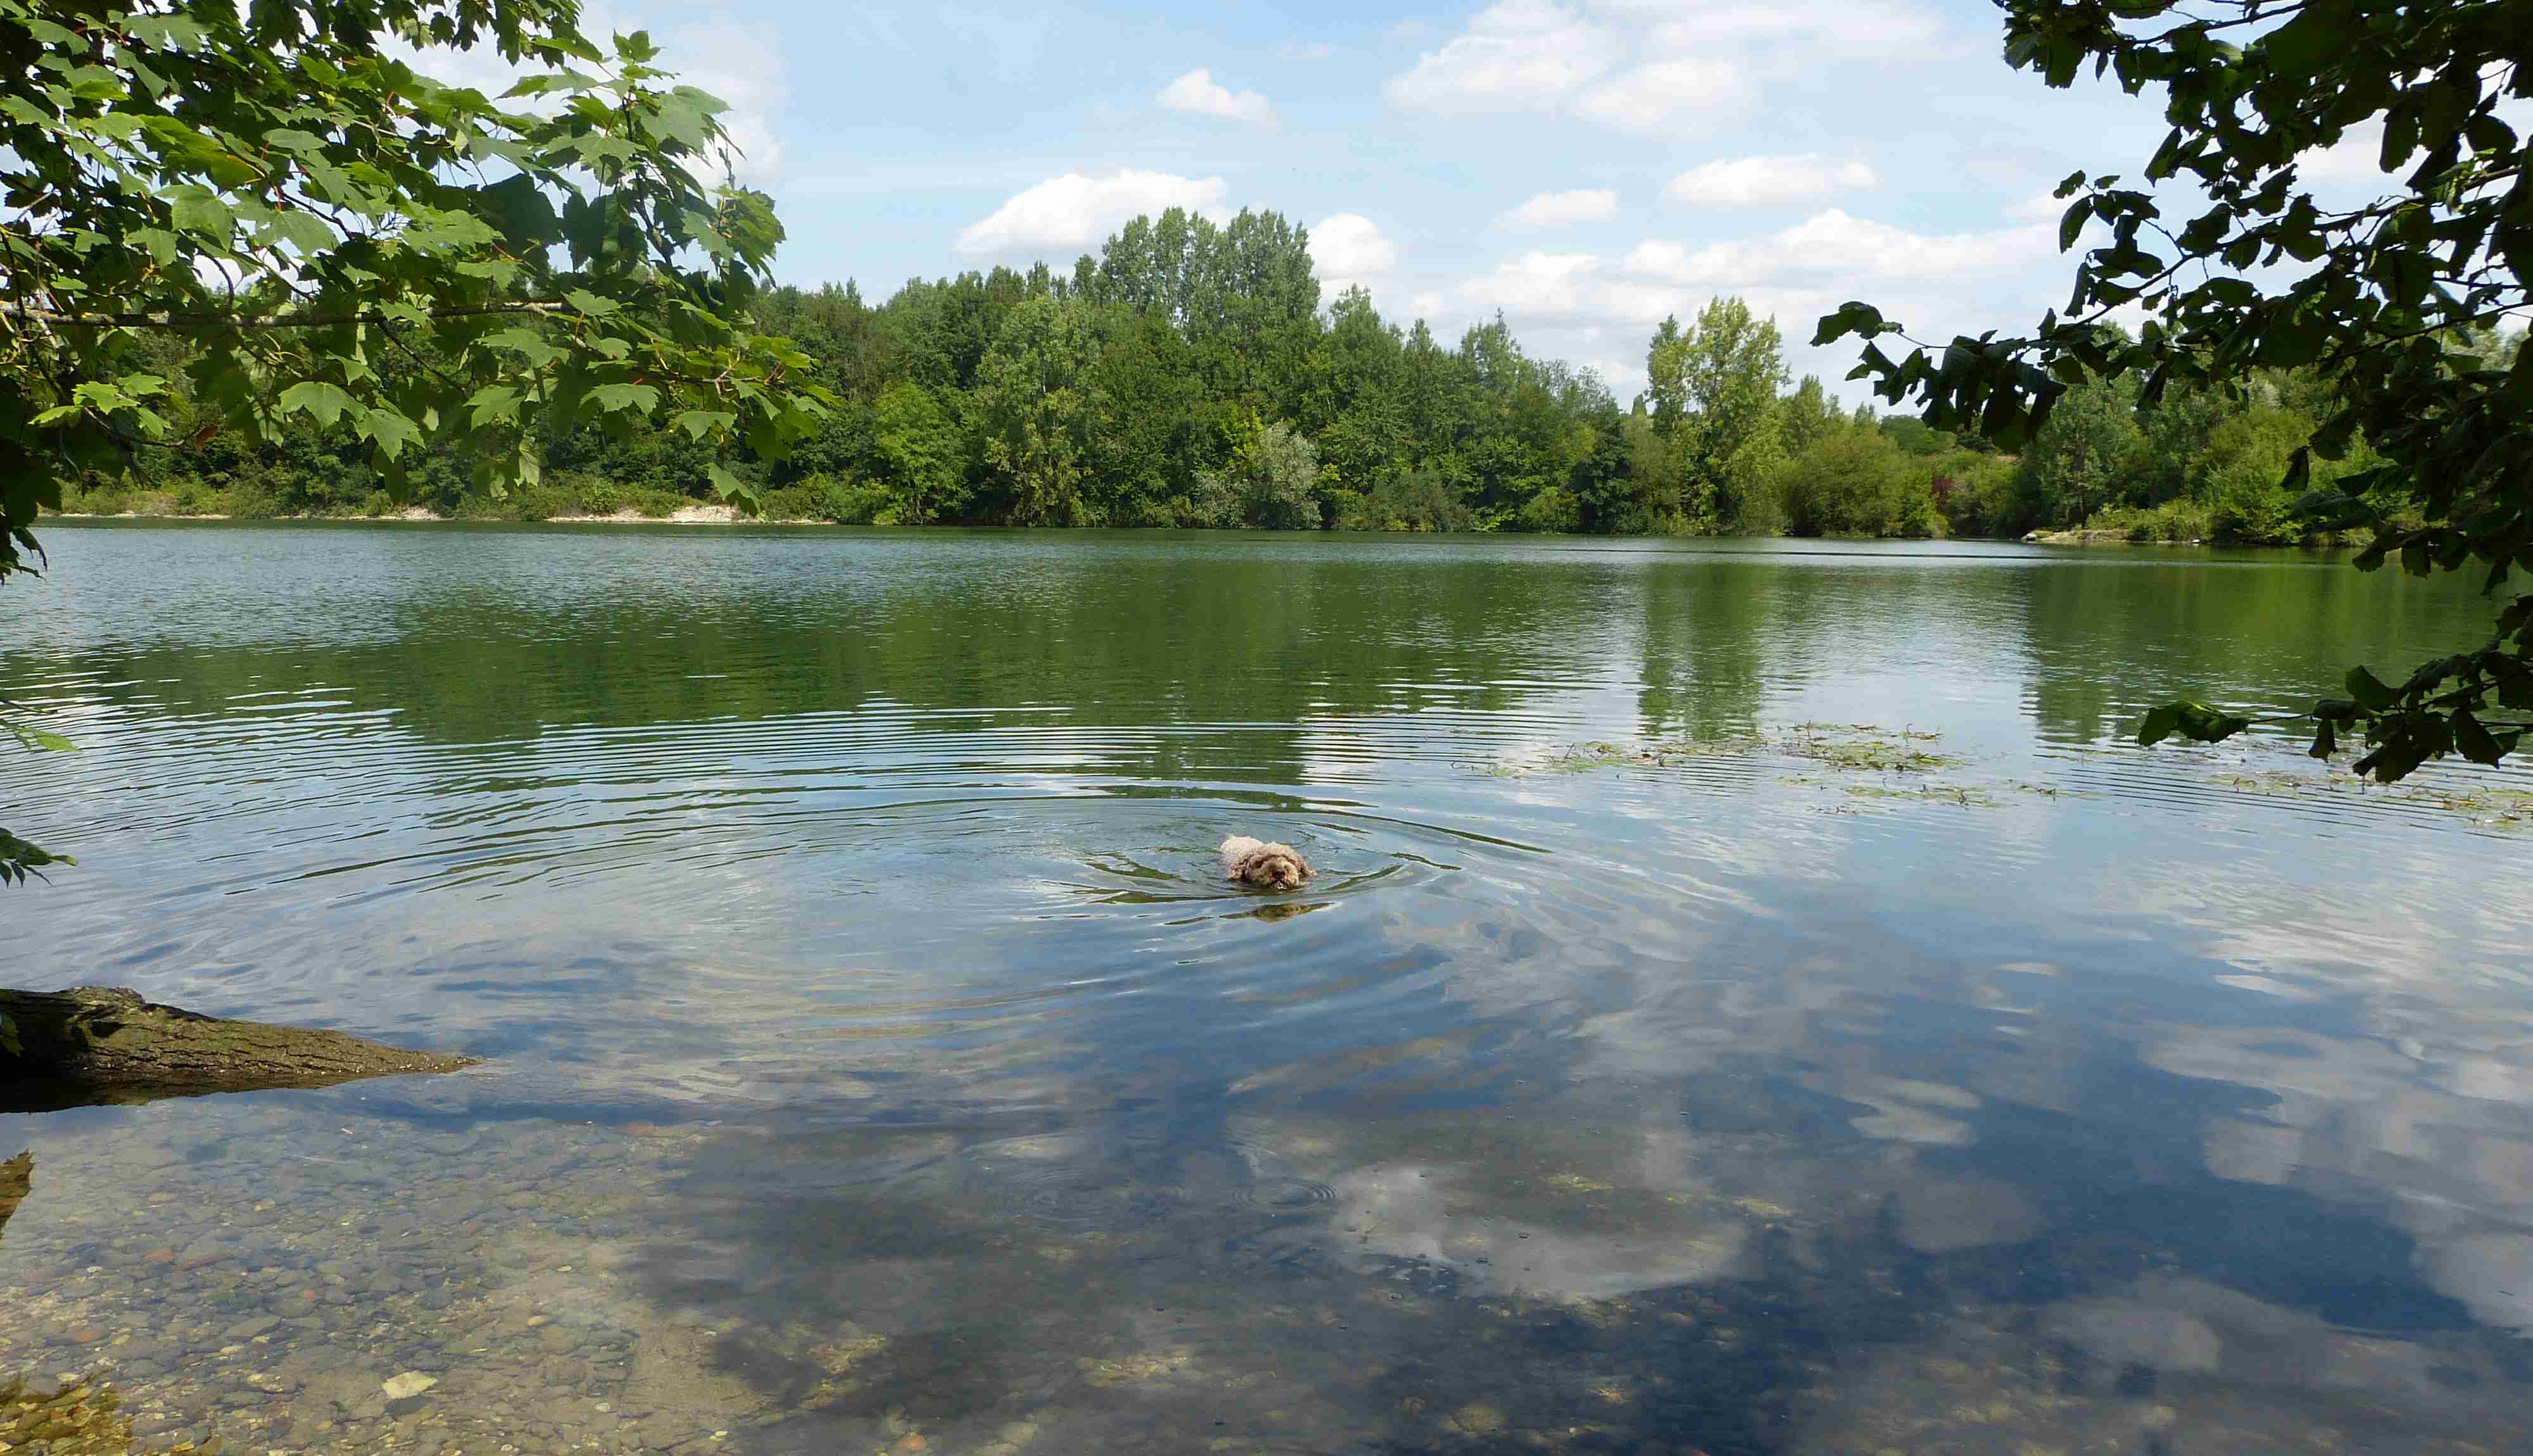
(2388, 301)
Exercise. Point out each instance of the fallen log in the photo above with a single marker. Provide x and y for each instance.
(95, 1044)
(17, 1179)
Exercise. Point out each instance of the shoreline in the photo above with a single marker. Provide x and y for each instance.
(685, 515)
(2096, 536)
(701, 513)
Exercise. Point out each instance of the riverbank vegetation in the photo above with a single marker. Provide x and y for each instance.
(1189, 375)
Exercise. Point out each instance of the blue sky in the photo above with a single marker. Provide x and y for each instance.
(1584, 168)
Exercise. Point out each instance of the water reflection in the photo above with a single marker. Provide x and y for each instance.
(878, 1064)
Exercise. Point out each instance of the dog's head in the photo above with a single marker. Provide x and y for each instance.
(1271, 868)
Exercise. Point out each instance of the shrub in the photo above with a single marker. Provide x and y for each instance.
(1213, 503)
(655, 505)
(2173, 523)
(1916, 518)
(1551, 511)
(1851, 482)
(1981, 495)
(598, 495)
(1270, 483)
(792, 503)
(1419, 501)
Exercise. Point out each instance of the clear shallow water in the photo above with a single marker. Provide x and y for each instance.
(876, 1062)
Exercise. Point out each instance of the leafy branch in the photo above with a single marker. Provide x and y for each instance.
(2382, 298)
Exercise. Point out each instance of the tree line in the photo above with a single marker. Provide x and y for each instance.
(1188, 376)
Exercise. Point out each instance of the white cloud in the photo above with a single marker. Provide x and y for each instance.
(1517, 55)
(1198, 93)
(1349, 249)
(1548, 210)
(1833, 248)
(2040, 207)
(1769, 180)
(1645, 66)
(1602, 306)
(1074, 212)
(1674, 95)
(1563, 286)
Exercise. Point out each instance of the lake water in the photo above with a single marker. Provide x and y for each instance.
(1753, 999)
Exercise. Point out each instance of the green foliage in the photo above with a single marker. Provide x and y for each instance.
(2385, 311)
(2194, 721)
(2082, 454)
(918, 452)
(1034, 401)
(2173, 523)
(2246, 460)
(19, 858)
(349, 248)
(1551, 511)
(254, 262)
(1855, 481)
(1419, 501)
(843, 502)
(1713, 395)
(1269, 481)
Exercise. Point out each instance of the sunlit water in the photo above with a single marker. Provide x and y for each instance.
(877, 1061)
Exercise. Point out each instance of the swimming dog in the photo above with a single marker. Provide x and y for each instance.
(1248, 861)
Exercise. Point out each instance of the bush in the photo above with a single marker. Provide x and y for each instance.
(597, 493)
(538, 502)
(1213, 503)
(823, 497)
(1271, 484)
(2173, 523)
(1851, 482)
(792, 503)
(1419, 501)
(1916, 518)
(255, 498)
(1552, 510)
(1982, 495)
(655, 505)
(850, 503)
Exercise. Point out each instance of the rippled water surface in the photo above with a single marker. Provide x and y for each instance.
(1754, 1000)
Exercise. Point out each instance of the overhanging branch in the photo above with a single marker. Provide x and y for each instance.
(260, 322)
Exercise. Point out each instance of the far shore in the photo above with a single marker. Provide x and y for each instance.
(2094, 536)
(702, 514)
(685, 515)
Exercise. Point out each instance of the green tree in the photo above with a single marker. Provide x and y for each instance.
(344, 243)
(1271, 480)
(2386, 299)
(1805, 416)
(1156, 427)
(2081, 459)
(920, 454)
(1853, 481)
(1714, 393)
(1038, 413)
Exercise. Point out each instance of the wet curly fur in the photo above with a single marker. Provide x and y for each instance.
(1264, 866)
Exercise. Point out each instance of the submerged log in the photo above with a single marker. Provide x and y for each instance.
(17, 1179)
(95, 1044)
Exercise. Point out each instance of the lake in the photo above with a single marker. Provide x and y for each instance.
(1754, 998)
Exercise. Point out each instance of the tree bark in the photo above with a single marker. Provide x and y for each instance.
(95, 1044)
